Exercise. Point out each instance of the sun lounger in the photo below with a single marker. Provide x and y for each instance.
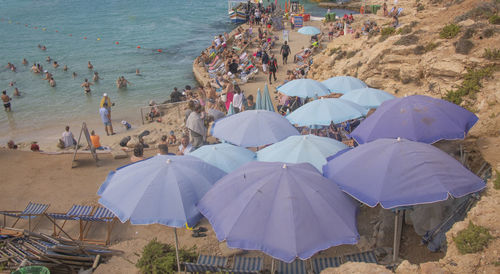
(102, 215)
(32, 210)
(73, 213)
(296, 267)
(366, 257)
(206, 263)
(319, 264)
(399, 11)
(246, 265)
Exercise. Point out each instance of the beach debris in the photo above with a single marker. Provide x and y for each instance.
(18, 246)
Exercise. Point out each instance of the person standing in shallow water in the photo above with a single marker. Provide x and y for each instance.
(6, 101)
(86, 86)
(90, 66)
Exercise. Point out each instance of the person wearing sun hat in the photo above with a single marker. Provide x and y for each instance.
(105, 99)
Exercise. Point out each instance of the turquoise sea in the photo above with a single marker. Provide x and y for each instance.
(107, 33)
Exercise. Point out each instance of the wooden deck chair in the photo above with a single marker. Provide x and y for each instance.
(102, 215)
(73, 213)
(206, 263)
(243, 265)
(296, 267)
(366, 257)
(32, 210)
(319, 264)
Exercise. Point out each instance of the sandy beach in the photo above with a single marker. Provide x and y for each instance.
(49, 177)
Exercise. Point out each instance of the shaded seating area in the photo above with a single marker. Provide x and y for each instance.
(318, 264)
(296, 267)
(31, 211)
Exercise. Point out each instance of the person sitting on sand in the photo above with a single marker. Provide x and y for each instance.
(11, 145)
(67, 138)
(162, 149)
(185, 147)
(138, 154)
(85, 85)
(163, 140)
(172, 140)
(90, 66)
(126, 124)
(95, 140)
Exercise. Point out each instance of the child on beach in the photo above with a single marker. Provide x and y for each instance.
(126, 124)
(172, 140)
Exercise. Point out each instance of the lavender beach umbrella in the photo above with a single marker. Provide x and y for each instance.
(416, 118)
(288, 211)
(253, 128)
(398, 172)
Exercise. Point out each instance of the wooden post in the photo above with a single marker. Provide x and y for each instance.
(177, 251)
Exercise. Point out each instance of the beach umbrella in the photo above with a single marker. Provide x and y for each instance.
(308, 30)
(217, 114)
(230, 111)
(163, 189)
(398, 172)
(258, 100)
(367, 97)
(417, 118)
(325, 111)
(253, 128)
(304, 88)
(268, 103)
(344, 84)
(287, 211)
(302, 149)
(224, 156)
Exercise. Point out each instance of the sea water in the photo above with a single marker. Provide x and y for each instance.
(161, 38)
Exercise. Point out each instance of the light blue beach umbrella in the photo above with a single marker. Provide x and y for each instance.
(253, 128)
(343, 84)
(224, 156)
(367, 97)
(308, 30)
(258, 100)
(217, 114)
(326, 110)
(163, 189)
(268, 103)
(302, 149)
(304, 88)
(230, 111)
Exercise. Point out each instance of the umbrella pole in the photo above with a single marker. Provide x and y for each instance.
(398, 227)
(177, 251)
(272, 265)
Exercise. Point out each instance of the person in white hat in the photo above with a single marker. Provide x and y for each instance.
(105, 99)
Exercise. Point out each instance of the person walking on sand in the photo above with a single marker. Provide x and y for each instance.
(106, 119)
(273, 67)
(86, 86)
(6, 101)
(285, 51)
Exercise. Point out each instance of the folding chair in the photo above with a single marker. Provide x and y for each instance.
(32, 210)
(296, 267)
(319, 264)
(73, 213)
(366, 257)
(245, 265)
(101, 214)
(206, 263)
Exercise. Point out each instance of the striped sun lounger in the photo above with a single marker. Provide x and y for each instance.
(246, 265)
(366, 257)
(101, 214)
(32, 210)
(296, 267)
(73, 213)
(319, 264)
(199, 268)
(206, 263)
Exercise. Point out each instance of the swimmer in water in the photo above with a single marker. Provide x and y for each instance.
(48, 59)
(86, 86)
(137, 72)
(25, 62)
(16, 92)
(90, 66)
(96, 76)
(48, 75)
(52, 82)
(55, 64)
(12, 83)
(44, 48)
(74, 75)
(65, 68)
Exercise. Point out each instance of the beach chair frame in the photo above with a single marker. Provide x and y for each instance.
(206, 263)
(86, 223)
(245, 265)
(72, 215)
(32, 210)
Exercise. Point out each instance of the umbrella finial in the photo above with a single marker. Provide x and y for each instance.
(399, 139)
(284, 165)
(169, 161)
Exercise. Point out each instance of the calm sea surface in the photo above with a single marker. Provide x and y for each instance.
(107, 33)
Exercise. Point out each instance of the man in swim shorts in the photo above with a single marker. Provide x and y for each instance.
(106, 119)
(6, 101)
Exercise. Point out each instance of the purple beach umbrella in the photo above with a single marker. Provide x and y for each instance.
(288, 211)
(398, 172)
(416, 118)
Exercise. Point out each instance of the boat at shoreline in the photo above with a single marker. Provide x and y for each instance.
(237, 11)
